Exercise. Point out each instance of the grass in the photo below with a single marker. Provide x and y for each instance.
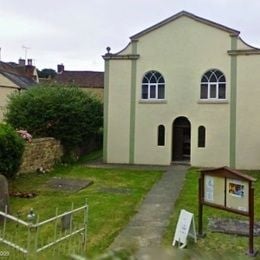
(214, 245)
(109, 211)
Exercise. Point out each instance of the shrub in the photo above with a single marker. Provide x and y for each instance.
(11, 150)
(65, 113)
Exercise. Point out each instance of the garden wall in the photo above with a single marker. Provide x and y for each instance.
(41, 152)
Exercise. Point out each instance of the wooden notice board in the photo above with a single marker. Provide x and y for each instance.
(229, 190)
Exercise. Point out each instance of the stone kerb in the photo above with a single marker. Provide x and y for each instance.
(41, 153)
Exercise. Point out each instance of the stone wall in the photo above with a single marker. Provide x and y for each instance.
(41, 153)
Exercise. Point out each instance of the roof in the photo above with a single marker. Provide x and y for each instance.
(233, 172)
(87, 79)
(190, 15)
(17, 74)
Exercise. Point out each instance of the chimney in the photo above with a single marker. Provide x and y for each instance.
(21, 62)
(60, 68)
(29, 62)
(29, 71)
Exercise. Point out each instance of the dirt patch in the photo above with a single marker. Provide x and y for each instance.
(116, 190)
(70, 185)
(19, 194)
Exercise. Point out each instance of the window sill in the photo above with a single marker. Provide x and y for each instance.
(215, 101)
(152, 101)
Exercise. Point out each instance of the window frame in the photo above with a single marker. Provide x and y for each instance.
(153, 79)
(213, 78)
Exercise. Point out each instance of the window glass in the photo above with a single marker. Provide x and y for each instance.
(153, 79)
(204, 79)
(152, 91)
(218, 74)
(145, 80)
(161, 80)
(213, 77)
(204, 91)
(222, 91)
(201, 136)
(222, 79)
(160, 91)
(213, 90)
(161, 135)
(145, 91)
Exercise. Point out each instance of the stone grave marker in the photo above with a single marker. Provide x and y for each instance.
(4, 195)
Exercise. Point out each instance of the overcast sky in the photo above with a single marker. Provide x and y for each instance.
(76, 33)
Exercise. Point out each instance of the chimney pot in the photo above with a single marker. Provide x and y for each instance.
(29, 62)
(21, 62)
(60, 68)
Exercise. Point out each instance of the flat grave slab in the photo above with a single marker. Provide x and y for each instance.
(232, 226)
(115, 190)
(70, 185)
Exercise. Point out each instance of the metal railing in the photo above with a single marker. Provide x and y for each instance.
(65, 233)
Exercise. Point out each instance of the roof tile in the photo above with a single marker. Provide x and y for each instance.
(87, 79)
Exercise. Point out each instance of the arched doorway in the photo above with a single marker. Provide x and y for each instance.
(181, 136)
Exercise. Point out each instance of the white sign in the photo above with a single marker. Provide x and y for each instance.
(209, 188)
(185, 227)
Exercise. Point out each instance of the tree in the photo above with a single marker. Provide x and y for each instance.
(65, 113)
(47, 73)
(11, 150)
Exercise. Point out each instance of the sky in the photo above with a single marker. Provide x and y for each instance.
(76, 33)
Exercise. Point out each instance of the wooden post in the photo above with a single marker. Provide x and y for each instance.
(200, 209)
(251, 251)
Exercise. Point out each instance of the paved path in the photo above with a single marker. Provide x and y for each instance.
(147, 227)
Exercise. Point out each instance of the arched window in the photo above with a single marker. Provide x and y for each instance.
(161, 135)
(201, 136)
(213, 85)
(153, 85)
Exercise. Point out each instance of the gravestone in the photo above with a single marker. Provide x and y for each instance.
(66, 221)
(4, 195)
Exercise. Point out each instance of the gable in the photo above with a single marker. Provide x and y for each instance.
(6, 82)
(190, 16)
(14, 75)
(181, 28)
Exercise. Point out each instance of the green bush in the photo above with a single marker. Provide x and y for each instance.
(11, 151)
(65, 113)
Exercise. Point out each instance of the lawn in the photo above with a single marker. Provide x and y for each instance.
(214, 245)
(113, 198)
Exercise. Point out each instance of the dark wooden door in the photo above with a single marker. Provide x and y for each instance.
(181, 139)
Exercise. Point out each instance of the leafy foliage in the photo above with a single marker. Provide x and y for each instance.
(65, 113)
(47, 73)
(11, 150)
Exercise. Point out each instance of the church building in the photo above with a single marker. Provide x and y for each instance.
(184, 90)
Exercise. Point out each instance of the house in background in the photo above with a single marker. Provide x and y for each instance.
(14, 78)
(92, 81)
(186, 89)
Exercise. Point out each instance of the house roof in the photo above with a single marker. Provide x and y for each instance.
(87, 79)
(17, 74)
(186, 14)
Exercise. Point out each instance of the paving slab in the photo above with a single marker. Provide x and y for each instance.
(146, 228)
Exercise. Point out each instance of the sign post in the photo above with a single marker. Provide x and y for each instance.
(185, 227)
